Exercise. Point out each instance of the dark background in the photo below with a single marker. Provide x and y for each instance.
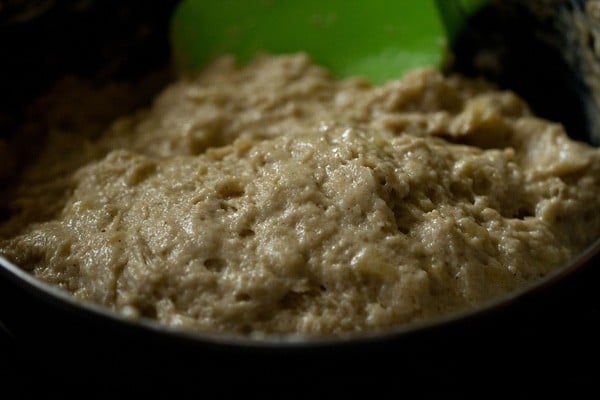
(547, 341)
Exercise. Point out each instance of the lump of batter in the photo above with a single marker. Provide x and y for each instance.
(272, 199)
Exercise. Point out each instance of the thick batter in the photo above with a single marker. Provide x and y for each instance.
(272, 198)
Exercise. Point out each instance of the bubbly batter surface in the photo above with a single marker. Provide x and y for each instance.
(272, 198)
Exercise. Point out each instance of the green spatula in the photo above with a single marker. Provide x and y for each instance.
(376, 39)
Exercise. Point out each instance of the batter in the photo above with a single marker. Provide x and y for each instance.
(272, 198)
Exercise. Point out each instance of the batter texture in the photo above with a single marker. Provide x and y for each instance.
(272, 198)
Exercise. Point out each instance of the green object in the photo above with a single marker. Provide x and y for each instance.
(376, 39)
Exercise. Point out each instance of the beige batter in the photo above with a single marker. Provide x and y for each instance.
(275, 199)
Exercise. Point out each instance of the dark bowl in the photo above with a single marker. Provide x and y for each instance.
(540, 332)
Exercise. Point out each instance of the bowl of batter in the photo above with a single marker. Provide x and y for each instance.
(271, 205)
